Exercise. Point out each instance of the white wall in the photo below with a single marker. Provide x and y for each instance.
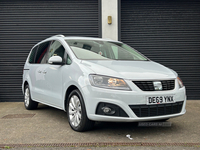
(109, 8)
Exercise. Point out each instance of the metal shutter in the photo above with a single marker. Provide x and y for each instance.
(167, 32)
(24, 23)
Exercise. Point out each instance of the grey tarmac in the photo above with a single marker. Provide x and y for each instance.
(47, 125)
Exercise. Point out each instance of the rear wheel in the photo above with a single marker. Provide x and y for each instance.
(76, 112)
(28, 102)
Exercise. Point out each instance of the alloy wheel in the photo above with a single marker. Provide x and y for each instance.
(74, 111)
(27, 97)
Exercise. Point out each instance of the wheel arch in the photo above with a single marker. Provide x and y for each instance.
(68, 91)
(24, 85)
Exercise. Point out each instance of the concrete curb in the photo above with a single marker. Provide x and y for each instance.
(98, 144)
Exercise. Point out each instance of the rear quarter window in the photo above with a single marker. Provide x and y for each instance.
(32, 55)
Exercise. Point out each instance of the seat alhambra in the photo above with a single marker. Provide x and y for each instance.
(95, 79)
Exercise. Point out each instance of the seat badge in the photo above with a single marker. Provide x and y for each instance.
(157, 85)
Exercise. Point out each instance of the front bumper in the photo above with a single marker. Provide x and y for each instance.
(94, 95)
(136, 119)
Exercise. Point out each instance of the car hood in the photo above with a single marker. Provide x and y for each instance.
(138, 70)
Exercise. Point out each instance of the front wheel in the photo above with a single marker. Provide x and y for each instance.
(76, 112)
(28, 102)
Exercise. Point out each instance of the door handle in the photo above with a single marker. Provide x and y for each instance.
(44, 71)
(39, 71)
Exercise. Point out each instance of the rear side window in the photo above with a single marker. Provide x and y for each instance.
(32, 56)
(38, 53)
(42, 49)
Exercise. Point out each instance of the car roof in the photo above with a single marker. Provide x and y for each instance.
(60, 36)
(89, 38)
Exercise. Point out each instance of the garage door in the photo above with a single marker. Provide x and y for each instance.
(24, 23)
(167, 32)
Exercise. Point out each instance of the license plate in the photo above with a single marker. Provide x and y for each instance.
(160, 99)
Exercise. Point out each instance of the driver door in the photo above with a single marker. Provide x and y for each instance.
(53, 75)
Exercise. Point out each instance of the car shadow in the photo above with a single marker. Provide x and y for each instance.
(120, 127)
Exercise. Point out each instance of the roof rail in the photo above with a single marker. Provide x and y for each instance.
(59, 35)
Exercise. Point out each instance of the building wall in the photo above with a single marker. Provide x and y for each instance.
(25, 23)
(109, 8)
(165, 31)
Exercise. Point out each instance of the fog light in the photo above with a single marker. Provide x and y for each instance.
(108, 110)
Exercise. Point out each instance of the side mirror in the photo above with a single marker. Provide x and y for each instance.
(56, 60)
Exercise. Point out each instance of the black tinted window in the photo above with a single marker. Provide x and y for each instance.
(42, 49)
(32, 55)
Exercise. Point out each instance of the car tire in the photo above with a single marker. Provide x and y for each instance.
(28, 102)
(76, 112)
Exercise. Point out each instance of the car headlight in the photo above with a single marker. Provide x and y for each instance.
(180, 83)
(108, 82)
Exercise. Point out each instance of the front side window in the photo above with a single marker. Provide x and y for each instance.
(69, 61)
(56, 49)
(97, 50)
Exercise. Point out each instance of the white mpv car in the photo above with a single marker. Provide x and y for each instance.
(95, 79)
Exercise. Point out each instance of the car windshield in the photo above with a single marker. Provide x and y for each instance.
(98, 50)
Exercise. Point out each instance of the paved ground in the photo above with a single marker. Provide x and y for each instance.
(108, 148)
(49, 125)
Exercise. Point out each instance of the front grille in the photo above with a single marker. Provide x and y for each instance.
(156, 110)
(148, 85)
